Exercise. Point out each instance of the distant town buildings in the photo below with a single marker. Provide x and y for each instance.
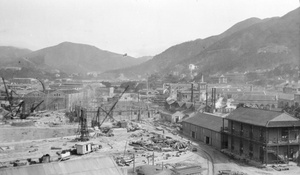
(24, 80)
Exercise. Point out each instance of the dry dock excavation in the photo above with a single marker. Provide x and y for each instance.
(140, 87)
(134, 135)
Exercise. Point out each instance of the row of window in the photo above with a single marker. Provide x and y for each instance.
(38, 95)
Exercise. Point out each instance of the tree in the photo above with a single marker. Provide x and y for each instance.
(251, 76)
(170, 78)
(131, 84)
(152, 79)
(140, 86)
(106, 83)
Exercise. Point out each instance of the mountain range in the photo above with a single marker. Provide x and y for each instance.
(67, 57)
(8, 53)
(248, 45)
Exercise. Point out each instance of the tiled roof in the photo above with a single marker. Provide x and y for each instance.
(261, 117)
(286, 96)
(69, 91)
(293, 85)
(206, 120)
(256, 98)
(48, 91)
(181, 104)
(254, 92)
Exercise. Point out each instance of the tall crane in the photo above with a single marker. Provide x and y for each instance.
(43, 85)
(83, 119)
(108, 114)
(10, 99)
(16, 109)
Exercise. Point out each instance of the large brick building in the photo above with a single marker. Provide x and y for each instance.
(52, 99)
(262, 135)
(58, 99)
(259, 101)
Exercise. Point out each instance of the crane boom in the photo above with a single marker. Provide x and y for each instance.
(107, 113)
(44, 89)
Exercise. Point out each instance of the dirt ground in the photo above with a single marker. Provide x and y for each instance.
(33, 142)
(18, 134)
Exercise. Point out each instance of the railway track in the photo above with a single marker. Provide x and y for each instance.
(210, 160)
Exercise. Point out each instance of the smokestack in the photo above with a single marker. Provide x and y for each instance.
(192, 95)
(213, 99)
(199, 86)
(206, 99)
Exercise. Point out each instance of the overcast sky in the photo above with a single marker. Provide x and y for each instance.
(135, 27)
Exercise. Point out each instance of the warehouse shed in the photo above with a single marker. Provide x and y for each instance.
(204, 127)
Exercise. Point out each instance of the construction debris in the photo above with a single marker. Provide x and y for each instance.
(229, 172)
(280, 167)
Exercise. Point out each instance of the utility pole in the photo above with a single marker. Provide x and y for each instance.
(125, 149)
(147, 87)
(130, 113)
(153, 158)
(133, 163)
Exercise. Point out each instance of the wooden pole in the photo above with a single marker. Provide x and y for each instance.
(277, 150)
(133, 163)
(125, 148)
(267, 139)
(153, 158)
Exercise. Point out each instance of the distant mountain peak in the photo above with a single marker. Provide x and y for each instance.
(76, 57)
(250, 44)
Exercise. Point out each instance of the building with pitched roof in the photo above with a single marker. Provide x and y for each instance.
(262, 135)
(204, 127)
(285, 100)
(291, 88)
(260, 101)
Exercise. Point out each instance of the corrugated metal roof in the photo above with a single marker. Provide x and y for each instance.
(86, 166)
(261, 117)
(206, 120)
(84, 143)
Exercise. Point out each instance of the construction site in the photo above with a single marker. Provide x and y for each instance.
(104, 138)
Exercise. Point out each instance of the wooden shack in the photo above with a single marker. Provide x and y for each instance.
(83, 148)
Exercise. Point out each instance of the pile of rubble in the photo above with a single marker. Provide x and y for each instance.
(157, 142)
(173, 128)
(133, 127)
